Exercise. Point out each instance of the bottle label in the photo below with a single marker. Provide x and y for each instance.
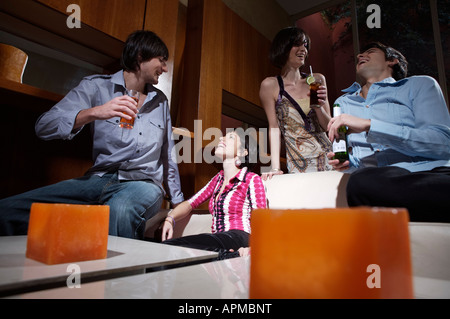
(339, 146)
(336, 111)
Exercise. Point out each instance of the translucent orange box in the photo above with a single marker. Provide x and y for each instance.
(64, 233)
(330, 253)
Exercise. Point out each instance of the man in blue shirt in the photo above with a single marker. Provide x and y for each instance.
(130, 165)
(399, 137)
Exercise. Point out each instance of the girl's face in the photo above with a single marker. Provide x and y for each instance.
(298, 53)
(229, 146)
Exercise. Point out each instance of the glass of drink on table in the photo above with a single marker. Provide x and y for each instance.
(314, 85)
(129, 124)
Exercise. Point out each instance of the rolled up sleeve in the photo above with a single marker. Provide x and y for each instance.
(58, 122)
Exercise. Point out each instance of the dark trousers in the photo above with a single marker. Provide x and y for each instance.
(425, 194)
(220, 242)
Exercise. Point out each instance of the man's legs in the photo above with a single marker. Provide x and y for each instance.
(131, 203)
(15, 210)
(426, 195)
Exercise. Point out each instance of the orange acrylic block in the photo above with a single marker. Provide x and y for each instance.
(330, 253)
(63, 233)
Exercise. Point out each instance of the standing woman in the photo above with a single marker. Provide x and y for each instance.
(233, 194)
(285, 99)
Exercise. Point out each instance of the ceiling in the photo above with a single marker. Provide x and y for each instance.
(297, 7)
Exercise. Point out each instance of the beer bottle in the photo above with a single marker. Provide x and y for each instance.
(340, 148)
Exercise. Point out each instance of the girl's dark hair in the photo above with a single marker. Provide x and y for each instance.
(399, 70)
(142, 46)
(251, 145)
(283, 43)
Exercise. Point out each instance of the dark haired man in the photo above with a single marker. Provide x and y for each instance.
(130, 165)
(400, 137)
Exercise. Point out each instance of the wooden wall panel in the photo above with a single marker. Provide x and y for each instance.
(202, 77)
(201, 94)
(161, 18)
(211, 68)
(190, 85)
(246, 61)
(117, 18)
(178, 65)
(222, 53)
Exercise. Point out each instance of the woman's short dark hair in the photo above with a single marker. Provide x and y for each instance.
(283, 43)
(399, 70)
(142, 46)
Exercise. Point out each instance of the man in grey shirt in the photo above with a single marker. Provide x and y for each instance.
(130, 165)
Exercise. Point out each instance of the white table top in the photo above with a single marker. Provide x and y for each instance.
(213, 280)
(225, 279)
(124, 256)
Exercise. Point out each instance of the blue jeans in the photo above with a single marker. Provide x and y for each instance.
(131, 203)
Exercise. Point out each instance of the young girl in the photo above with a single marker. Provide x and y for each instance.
(285, 99)
(233, 193)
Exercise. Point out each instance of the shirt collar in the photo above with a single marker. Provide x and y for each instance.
(240, 175)
(356, 87)
(118, 78)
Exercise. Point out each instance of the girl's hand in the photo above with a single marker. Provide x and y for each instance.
(322, 94)
(269, 175)
(167, 230)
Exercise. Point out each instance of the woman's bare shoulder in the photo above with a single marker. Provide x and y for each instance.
(269, 83)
